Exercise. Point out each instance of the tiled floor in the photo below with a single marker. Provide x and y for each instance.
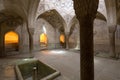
(67, 62)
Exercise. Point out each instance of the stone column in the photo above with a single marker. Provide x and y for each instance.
(24, 40)
(2, 46)
(112, 30)
(85, 11)
(31, 38)
(67, 40)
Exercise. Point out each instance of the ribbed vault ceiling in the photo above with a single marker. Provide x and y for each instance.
(54, 18)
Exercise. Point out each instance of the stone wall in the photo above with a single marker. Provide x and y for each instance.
(23, 37)
(52, 35)
(101, 36)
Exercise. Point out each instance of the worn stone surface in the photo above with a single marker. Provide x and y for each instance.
(67, 62)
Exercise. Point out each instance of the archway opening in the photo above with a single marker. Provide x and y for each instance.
(43, 40)
(62, 40)
(11, 40)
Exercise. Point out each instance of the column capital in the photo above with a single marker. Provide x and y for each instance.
(85, 8)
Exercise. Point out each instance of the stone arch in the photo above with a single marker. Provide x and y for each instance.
(11, 42)
(75, 22)
(55, 19)
(73, 35)
(27, 10)
(5, 29)
(9, 21)
(100, 16)
(72, 24)
(51, 32)
(43, 40)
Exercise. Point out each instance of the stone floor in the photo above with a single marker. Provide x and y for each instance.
(67, 62)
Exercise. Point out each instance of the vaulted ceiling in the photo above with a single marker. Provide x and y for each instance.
(26, 9)
(54, 18)
(29, 10)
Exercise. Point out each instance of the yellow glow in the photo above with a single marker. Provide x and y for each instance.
(62, 38)
(11, 37)
(43, 38)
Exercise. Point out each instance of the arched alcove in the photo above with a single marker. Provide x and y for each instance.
(43, 40)
(11, 41)
(62, 40)
(53, 35)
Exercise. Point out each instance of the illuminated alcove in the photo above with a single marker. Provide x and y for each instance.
(62, 40)
(11, 40)
(43, 39)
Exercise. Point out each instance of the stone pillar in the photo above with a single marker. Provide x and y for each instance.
(112, 30)
(24, 40)
(2, 46)
(67, 40)
(31, 38)
(85, 11)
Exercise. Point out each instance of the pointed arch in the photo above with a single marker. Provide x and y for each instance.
(72, 24)
(11, 37)
(43, 39)
(54, 18)
(75, 21)
(100, 16)
(11, 42)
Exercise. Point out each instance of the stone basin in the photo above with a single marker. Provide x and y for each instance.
(32, 69)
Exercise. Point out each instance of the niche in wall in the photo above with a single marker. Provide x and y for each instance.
(11, 41)
(62, 40)
(43, 40)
